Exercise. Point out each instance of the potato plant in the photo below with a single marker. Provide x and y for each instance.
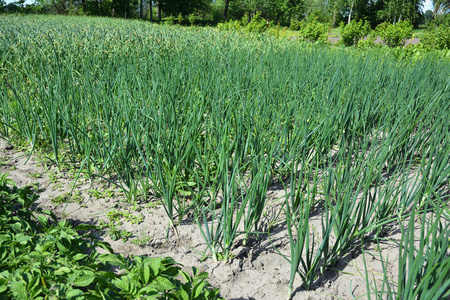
(41, 258)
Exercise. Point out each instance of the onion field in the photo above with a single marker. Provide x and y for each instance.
(208, 121)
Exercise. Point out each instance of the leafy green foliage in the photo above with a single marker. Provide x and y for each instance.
(192, 17)
(296, 24)
(233, 25)
(367, 43)
(314, 31)
(115, 218)
(354, 32)
(395, 35)
(68, 197)
(257, 24)
(183, 7)
(438, 39)
(42, 258)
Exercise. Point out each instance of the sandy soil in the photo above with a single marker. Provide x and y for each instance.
(256, 272)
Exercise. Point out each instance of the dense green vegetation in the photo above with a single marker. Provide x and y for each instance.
(208, 120)
(211, 12)
(393, 20)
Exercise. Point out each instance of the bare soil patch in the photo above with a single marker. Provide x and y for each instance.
(412, 41)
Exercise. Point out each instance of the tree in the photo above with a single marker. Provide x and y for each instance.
(225, 10)
(185, 7)
(151, 10)
(351, 4)
(158, 11)
(357, 9)
(397, 10)
(296, 7)
(441, 7)
(428, 15)
(441, 12)
(124, 8)
(283, 9)
(334, 8)
(314, 8)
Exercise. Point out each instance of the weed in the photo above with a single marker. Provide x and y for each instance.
(35, 175)
(68, 198)
(53, 177)
(142, 241)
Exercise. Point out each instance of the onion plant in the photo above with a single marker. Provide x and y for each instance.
(424, 261)
(305, 260)
(220, 230)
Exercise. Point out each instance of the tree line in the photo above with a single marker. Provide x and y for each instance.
(214, 11)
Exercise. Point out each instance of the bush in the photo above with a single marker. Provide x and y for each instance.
(354, 32)
(169, 21)
(395, 35)
(244, 19)
(278, 31)
(296, 25)
(192, 18)
(257, 24)
(314, 31)
(410, 53)
(368, 43)
(179, 18)
(436, 39)
(230, 26)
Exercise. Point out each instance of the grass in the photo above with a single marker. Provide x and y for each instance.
(206, 120)
(334, 32)
(419, 33)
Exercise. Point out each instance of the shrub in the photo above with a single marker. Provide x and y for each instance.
(192, 19)
(245, 20)
(278, 31)
(257, 24)
(436, 39)
(368, 43)
(169, 21)
(296, 25)
(354, 32)
(395, 35)
(315, 31)
(233, 25)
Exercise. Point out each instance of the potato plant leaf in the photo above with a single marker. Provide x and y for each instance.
(165, 283)
(85, 279)
(73, 293)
